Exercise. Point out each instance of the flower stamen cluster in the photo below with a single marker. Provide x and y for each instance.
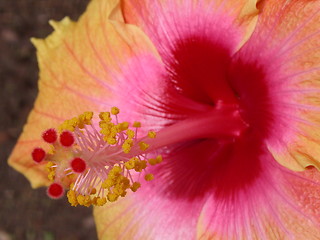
(96, 165)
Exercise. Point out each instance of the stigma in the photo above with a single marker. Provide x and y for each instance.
(96, 163)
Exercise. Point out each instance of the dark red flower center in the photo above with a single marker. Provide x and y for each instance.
(205, 72)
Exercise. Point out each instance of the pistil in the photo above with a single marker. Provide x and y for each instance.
(98, 165)
(222, 122)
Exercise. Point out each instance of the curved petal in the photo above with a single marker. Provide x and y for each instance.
(145, 215)
(281, 205)
(285, 46)
(79, 64)
(167, 22)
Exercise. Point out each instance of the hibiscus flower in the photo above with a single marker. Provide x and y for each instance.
(230, 88)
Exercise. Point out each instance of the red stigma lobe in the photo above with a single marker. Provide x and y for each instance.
(50, 135)
(66, 139)
(78, 165)
(55, 191)
(38, 154)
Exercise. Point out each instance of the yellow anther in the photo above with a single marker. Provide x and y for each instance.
(137, 167)
(51, 150)
(112, 177)
(51, 175)
(130, 133)
(87, 201)
(108, 183)
(136, 124)
(159, 159)
(83, 200)
(105, 116)
(155, 161)
(123, 126)
(115, 129)
(70, 124)
(140, 165)
(71, 176)
(152, 161)
(116, 169)
(111, 140)
(85, 119)
(126, 146)
(112, 197)
(72, 198)
(93, 191)
(115, 110)
(135, 159)
(105, 125)
(125, 182)
(130, 164)
(152, 134)
(143, 146)
(74, 122)
(124, 194)
(119, 191)
(88, 117)
(129, 142)
(94, 201)
(106, 132)
(149, 177)
(81, 125)
(100, 201)
(143, 164)
(80, 199)
(119, 183)
(49, 166)
(135, 186)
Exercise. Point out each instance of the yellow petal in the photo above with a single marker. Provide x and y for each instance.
(78, 63)
(116, 219)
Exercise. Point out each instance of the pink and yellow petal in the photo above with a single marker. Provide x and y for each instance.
(286, 39)
(299, 203)
(80, 62)
(166, 22)
(146, 215)
(281, 205)
(113, 220)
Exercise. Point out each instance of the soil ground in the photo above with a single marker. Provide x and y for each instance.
(26, 213)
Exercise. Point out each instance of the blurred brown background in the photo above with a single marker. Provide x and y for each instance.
(27, 214)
